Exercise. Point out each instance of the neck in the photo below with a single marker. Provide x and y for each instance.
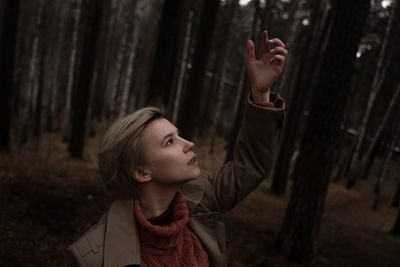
(155, 198)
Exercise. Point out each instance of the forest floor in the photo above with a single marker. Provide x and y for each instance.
(48, 200)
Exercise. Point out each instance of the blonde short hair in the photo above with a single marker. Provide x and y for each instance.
(121, 152)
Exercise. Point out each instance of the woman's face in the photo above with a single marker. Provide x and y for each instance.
(170, 157)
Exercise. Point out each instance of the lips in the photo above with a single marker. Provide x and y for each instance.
(192, 160)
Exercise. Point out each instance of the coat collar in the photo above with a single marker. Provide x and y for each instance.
(193, 194)
(122, 245)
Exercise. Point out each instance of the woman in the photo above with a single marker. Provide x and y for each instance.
(166, 213)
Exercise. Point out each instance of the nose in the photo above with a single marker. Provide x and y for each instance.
(188, 146)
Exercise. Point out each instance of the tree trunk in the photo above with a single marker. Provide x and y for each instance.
(71, 68)
(225, 48)
(313, 167)
(115, 79)
(366, 156)
(354, 170)
(85, 68)
(388, 155)
(7, 63)
(38, 110)
(241, 94)
(298, 99)
(142, 74)
(396, 199)
(166, 53)
(107, 36)
(132, 46)
(189, 114)
(396, 227)
(182, 70)
(32, 79)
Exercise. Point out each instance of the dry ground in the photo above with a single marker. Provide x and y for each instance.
(47, 200)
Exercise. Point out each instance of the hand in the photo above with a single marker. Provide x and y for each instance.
(264, 72)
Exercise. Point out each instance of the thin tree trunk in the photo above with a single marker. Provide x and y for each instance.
(38, 110)
(189, 115)
(289, 24)
(183, 68)
(166, 53)
(116, 78)
(32, 79)
(388, 155)
(55, 56)
(396, 199)
(243, 89)
(354, 170)
(141, 76)
(132, 46)
(396, 227)
(106, 39)
(85, 70)
(225, 48)
(71, 68)
(383, 121)
(7, 64)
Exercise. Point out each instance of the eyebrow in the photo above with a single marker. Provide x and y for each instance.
(169, 135)
(166, 137)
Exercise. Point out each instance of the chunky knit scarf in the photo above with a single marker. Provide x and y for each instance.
(171, 244)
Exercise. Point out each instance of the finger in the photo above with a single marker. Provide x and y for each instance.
(265, 45)
(276, 42)
(278, 59)
(250, 51)
(278, 50)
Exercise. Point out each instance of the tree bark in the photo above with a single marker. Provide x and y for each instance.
(313, 167)
(32, 79)
(71, 68)
(132, 46)
(38, 110)
(365, 157)
(182, 70)
(298, 99)
(85, 68)
(189, 113)
(115, 79)
(225, 48)
(396, 227)
(388, 155)
(166, 53)
(354, 170)
(7, 63)
(396, 199)
(241, 94)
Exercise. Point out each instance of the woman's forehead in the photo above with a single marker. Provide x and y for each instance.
(158, 129)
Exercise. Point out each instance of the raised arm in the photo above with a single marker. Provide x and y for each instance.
(255, 144)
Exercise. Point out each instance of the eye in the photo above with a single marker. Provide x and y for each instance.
(170, 141)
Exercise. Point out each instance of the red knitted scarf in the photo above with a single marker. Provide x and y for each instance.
(173, 244)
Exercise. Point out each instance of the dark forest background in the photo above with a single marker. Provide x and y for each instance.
(70, 68)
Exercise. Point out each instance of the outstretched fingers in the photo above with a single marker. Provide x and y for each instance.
(265, 43)
(278, 50)
(279, 59)
(251, 56)
(276, 42)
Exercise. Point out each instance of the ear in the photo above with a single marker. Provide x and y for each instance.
(141, 175)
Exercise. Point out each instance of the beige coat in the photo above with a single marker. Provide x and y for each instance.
(113, 241)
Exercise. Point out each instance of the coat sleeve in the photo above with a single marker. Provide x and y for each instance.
(87, 251)
(72, 257)
(253, 154)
